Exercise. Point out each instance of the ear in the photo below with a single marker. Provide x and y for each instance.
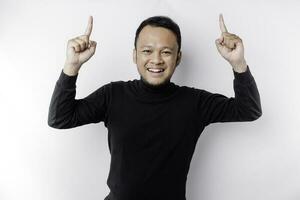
(178, 59)
(134, 56)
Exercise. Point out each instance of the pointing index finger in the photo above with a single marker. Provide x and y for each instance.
(89, 28)
(222, 24)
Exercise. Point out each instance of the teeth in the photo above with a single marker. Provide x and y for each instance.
(155, 70)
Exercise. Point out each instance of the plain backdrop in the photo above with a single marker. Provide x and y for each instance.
(256, 160)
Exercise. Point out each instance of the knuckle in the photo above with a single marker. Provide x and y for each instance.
(77, 46)
(83, 42)
(80, 43)
(84, 38)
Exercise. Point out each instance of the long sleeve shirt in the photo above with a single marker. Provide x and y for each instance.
(152, 131)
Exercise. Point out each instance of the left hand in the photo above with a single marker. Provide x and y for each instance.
(231, 47)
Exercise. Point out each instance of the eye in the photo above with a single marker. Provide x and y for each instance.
(167, 52)
(146, 51)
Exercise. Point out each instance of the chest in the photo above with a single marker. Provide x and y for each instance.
(141, 125)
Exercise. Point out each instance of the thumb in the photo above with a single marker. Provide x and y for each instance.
(219, 44)
(93, 45)
(89, 52)
(239, 45)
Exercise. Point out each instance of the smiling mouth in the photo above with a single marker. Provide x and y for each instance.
(155, 70)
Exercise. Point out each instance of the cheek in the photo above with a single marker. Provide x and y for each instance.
(171, 61)
(141, 60)
(141, 64)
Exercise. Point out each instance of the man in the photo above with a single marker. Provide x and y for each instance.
(153, 124)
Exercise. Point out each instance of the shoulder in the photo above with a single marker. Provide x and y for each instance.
(122, 86)
(122, 83)
(199, 94)
(191, 90)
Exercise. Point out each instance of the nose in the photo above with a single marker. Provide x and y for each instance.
(156, 58)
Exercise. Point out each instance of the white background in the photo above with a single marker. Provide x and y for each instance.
(233, 161)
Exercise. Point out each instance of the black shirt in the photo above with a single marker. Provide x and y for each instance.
(152, 131)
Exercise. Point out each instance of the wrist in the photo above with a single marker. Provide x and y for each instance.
(240, 67)
(71, 69)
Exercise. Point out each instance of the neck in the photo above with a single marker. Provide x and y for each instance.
(155, 93)
(155, 87)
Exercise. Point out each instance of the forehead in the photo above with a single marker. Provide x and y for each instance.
(156, 36)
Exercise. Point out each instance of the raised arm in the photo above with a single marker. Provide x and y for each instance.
(65, 111)
(246, 105)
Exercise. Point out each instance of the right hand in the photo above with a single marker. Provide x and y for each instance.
(80, 50)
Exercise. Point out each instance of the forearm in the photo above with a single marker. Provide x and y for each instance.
(62, 105)
(247, 98)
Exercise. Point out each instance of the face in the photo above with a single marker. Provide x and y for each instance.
(156, 54)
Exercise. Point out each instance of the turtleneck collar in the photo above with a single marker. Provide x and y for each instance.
(150, 93)
(163, 88)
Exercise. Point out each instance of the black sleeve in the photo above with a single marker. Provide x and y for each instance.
(245, 106)
(67, 112)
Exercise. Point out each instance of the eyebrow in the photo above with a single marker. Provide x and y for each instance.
(164, 47)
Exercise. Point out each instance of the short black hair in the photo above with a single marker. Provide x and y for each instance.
(160, 21)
